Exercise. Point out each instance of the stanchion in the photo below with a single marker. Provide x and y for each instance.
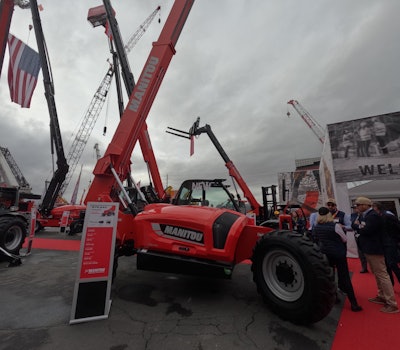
(32, 227)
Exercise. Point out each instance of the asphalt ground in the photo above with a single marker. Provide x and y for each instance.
(149, 310)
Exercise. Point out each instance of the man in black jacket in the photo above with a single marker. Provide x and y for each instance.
(364, 266)
(391, 230)
(369, 225)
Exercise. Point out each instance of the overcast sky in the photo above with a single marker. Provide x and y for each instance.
(238, 63)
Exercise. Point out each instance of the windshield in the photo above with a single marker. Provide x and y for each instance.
(207, 193)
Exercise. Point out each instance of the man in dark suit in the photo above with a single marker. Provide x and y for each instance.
(364, 266)
(369, 226)
(391, 230)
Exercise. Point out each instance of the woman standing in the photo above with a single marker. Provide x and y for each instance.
(332, 241)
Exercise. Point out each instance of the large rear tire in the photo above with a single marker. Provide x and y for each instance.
(12, 234)
(293, 277)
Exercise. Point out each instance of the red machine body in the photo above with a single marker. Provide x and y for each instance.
(54, 219)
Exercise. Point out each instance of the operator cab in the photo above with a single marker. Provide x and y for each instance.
(211, 193)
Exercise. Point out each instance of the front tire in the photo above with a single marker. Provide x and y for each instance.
(75, 227)
(12, 234)
(293, 277)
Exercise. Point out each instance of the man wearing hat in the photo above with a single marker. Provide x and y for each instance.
(338, 215)
(369, 226)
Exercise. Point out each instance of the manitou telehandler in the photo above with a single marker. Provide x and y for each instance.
(216, 193)
(290, 272)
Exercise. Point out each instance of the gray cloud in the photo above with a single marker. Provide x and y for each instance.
(237, 64)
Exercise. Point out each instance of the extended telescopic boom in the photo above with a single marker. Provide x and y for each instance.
(113, 167)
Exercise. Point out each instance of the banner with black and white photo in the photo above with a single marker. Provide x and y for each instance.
(366, 148)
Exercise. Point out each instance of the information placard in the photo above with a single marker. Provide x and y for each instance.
(32, 228)
(64, 221)
(91, 299)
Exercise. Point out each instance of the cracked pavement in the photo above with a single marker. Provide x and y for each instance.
(149, 310)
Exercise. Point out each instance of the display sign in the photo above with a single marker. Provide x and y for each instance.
(367, 148)
(64, 221)
(93, 283)
(32, 227)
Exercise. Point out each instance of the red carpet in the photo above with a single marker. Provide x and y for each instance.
(369, 329)
(54, 244)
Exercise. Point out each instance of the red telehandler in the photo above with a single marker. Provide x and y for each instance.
(216, 193)
(290, 272)
(48, 215)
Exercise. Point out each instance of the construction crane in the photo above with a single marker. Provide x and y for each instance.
(10, 173)
(316, 128)
(96, 105)
(134, 38)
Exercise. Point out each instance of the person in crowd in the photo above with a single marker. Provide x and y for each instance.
(347, 142)
(365, 134)
(369, 225)
(359, 145)
(332, 241)
(299, 223)
(312, 219)
(338, 216)
(361, 255)
(391, 237)
(379, 129)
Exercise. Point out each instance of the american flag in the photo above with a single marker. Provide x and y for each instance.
(23, 71)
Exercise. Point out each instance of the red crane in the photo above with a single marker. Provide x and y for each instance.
(316, 128)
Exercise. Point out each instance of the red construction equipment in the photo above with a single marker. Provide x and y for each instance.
(11, 227)
(195, 130)
(99, 98)
(290, 272)
(264, 214)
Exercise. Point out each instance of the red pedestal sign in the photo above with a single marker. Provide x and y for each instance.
(93, 284)
(96, 252)
(64, 221)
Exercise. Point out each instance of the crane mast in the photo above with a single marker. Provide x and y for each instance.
(96, 105)
(316, 128)
(53, 189)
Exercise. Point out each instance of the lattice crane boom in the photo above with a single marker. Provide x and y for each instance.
(134, 38)
(89, 121)
(316, 128)
(96, 105)
(11, 168)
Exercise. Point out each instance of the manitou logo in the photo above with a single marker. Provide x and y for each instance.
(143, 83)
(179, 232)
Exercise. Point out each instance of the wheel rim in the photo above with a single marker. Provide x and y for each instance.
(283, 275)
(13, 239)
